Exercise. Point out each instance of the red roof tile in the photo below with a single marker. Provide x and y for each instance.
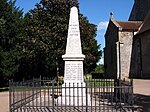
(129, 25)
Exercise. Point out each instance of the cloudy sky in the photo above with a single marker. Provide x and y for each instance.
(97, 12)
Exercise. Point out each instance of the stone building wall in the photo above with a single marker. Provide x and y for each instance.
(126, 39)
(139, 10)
(135, 67)
(110, 57)
(145, 51)
(140, 63)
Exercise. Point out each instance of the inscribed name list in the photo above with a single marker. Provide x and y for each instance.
(73, 71)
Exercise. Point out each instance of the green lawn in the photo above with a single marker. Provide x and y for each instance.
(100, 82)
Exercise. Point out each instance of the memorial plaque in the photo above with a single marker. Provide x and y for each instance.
(73, 71)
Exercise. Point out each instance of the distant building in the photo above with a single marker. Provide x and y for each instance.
(127, 51)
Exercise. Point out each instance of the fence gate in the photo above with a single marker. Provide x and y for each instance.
(105, 95)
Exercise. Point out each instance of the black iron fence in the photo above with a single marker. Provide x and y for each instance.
(95, 95)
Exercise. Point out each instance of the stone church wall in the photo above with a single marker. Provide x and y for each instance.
(139, 10)
(126, 39)
(110, 59)
(145, 49)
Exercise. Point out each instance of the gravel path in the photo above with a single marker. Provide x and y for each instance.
(4, 102)
(141, 86)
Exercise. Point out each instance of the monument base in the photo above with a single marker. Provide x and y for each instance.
(74, 94)
(73, 101)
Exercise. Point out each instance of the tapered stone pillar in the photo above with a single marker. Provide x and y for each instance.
(73, 75)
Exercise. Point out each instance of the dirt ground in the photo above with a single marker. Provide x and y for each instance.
(141, 96)
(4, 102)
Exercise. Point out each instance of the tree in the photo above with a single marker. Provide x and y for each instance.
(99, 69)
(89, 44)
(46, 34)
(10, 38)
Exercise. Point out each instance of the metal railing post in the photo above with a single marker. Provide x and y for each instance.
(86, 97)
(103, 95)
(53, 96)
(10, 97)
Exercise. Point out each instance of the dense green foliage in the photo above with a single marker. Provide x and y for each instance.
(32, 45)
(10, 39)
(99, 69)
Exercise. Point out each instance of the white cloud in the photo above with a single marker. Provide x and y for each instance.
(102, 25)
(101, 32)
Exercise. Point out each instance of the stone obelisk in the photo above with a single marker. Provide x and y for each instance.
(73, 75)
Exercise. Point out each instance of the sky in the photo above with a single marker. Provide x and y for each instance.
(96, 11)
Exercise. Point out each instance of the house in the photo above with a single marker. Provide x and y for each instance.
(118, 42)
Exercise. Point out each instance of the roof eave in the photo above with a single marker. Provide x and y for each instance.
(139, 33)
(117, 25)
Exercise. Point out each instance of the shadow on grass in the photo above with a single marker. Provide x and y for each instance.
(4, 89)
(143, 102)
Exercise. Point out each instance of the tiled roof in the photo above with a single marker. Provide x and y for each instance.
(146, 24)
(129, 25)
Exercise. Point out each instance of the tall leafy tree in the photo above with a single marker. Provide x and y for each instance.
(91, 49)
(10, 38)
(46, 34)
